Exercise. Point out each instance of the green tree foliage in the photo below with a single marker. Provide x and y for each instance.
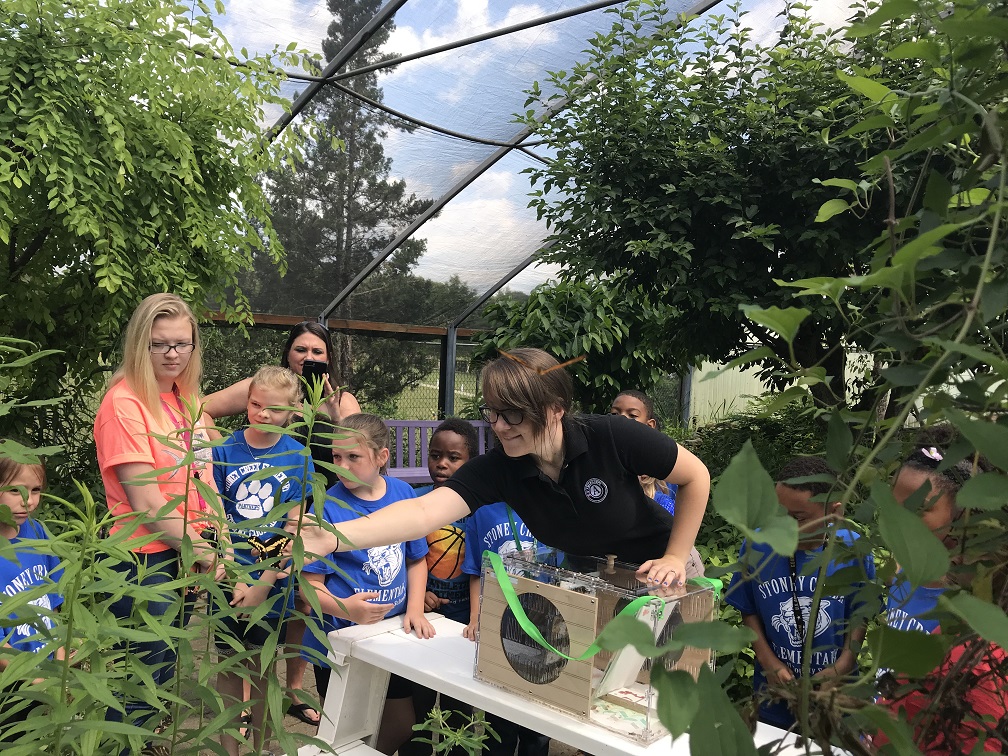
(933, 304)
(686, 180)
(126, 167)
(336, 208)
(572, 319)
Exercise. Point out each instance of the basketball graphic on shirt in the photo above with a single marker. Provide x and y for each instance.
(446, 550)
(254, 498)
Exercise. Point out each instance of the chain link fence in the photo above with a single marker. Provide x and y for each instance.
(391, 378)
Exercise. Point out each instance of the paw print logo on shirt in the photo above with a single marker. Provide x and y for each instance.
(254, 498)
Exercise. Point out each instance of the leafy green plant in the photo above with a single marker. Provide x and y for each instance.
(471, 736)
(585, 319)
(685, 178)
(127, 167)
(850, 196)
(101, 669)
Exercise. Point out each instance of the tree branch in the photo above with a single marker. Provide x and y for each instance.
(29, 253)
(10, 249)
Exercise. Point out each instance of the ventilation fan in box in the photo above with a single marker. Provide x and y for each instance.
(570, 601)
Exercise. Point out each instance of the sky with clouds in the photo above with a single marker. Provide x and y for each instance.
(487, 228)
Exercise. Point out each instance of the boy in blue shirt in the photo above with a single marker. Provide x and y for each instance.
(249, 495)
(774, 594)
(453, 443)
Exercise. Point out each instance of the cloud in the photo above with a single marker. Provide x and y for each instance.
(483, 234)
(766, 23)
(260, 26)
(462, 71)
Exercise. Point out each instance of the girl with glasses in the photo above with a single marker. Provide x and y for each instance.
(572, 479)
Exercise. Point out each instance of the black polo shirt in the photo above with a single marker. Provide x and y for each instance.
(598, 507)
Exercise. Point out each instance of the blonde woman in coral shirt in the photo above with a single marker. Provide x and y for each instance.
(143, 427)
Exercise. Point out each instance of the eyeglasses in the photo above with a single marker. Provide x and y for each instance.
(159, 347)
(511, 416)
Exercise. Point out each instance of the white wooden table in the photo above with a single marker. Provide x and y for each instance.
(365, 655)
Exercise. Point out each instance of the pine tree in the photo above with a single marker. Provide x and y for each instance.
(337, 209)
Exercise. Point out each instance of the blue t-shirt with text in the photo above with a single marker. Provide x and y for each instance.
(765, 587)
(249, 494)
(27, 568)
(906, 606)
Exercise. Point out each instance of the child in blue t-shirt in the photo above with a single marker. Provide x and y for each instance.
(489, 529)
(453, 443)
(364, 586)
(24, 566)
(928, 471)
(774, 594)
(256, 469)
(908, 607)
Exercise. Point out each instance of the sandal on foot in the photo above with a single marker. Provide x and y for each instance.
(300, 711)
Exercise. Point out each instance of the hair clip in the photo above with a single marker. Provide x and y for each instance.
(932, 452)
(541, 371)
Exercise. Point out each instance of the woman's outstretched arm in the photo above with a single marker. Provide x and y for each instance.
(400, 521)
(232, 400)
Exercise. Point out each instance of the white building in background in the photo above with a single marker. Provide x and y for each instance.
(707, 398)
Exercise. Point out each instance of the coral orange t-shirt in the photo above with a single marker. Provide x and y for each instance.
(126, 432)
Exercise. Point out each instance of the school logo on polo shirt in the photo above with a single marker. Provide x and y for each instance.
(596, 490)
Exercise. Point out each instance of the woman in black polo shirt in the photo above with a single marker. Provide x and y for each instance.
(573, 480)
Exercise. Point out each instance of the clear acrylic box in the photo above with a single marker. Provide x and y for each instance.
(570, 600)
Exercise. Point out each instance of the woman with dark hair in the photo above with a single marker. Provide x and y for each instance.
(308, 340)
(572, 479)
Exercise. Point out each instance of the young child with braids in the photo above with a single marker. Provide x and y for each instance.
(950, 723)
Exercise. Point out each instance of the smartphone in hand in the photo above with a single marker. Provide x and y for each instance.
(314, 371)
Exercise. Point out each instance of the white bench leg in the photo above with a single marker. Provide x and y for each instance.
(353, 705)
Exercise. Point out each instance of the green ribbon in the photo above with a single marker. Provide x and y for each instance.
(705, 582)
(504, 580)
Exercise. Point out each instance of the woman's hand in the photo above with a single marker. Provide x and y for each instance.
(667, 572)
(317, 541)
(331, 400)
(418, 624)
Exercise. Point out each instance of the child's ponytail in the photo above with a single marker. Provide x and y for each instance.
(372, 431)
